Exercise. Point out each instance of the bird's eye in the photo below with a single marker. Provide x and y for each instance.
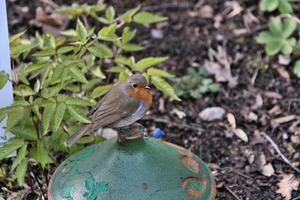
(134, 85)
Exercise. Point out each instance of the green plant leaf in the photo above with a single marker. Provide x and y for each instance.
(131, 47)
(81, 31)
(23, 90)
(108, 33)
(147, 18)
(96, 70)
(78, 101)
(273, 47)
(286, 48)
(296, 69)
(289, 26)
(11, 146)
(275, 26)
(15, 37)
(158, 72)
(127, 35)
(100, 51)
(36, 66)
(100, 91)
(51, 91)
(264, 37)
(78, 75)
(268, 5)
(3, 79)
(127, 16)
(14, 117)
(59, 115)
(22, 152)
(110, 13)
(47, 116)
(44, 53)
(285, 6)
(21, 172)
(41, 155)
(148, 62)
(165, 87)
(76, 115)
(65, 49)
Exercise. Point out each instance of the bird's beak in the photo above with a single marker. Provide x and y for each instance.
(148, 87)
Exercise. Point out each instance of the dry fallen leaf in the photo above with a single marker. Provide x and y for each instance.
(231, 120)
(241, 134)
(219, 65)
(233, 8)
(287, 184)
(206, 12)
(267, 170)
(179, 113)
(284, 119)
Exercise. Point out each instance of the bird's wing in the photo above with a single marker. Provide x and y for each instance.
(114, 106)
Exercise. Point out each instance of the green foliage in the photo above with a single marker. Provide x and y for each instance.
(195, 84)
(284, 6)
(61, 77)
(278, 38)
(281, 37)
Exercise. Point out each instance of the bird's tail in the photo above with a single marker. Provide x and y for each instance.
(82, 131)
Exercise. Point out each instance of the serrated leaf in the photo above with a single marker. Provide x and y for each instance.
(21, 172)
(81, 31)
(69, 33)
(100, 51)
(47, 116)
(264, 37)
(44, 53)
(78, 75)
(273, 47)
(148, 62)
(14, 117)
(147, 18)
(275, 25)
(165, 87)
(110, 13)
(58, 116)
(289, 26)
(78, 101)
(296, 69)
(3, 79)
(17, 50)
(268, 5)
(41, 154)
(11, 146)
(127, 35)
(108, 33)
(131, 47)
(20, 156)
(76, 115)
(285, 6)
(127, 16)
(158, 72)
(100, 90)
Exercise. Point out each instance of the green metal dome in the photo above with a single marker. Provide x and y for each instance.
(141, 169)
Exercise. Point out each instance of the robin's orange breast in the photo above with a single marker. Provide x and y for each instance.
(141, 94)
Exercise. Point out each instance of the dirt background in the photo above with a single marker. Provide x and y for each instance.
(261, 101)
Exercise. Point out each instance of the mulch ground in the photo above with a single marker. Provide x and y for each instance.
(261, 101)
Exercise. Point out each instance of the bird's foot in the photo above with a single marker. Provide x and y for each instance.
(133, 132)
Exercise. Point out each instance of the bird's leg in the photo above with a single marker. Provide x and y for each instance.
(122, 132)
(137, 131)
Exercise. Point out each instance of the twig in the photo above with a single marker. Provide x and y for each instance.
(275, 146)
(37, 181)
(232, 193)
(50, 3)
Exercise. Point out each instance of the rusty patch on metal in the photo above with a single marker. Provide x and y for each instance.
(190, 163)
(194, 186)
(145, 186)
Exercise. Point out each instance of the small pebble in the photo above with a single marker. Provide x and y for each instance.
(212, 114)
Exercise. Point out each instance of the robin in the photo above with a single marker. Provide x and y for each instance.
(125, 103)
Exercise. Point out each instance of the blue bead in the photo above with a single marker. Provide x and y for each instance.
(158, 133)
